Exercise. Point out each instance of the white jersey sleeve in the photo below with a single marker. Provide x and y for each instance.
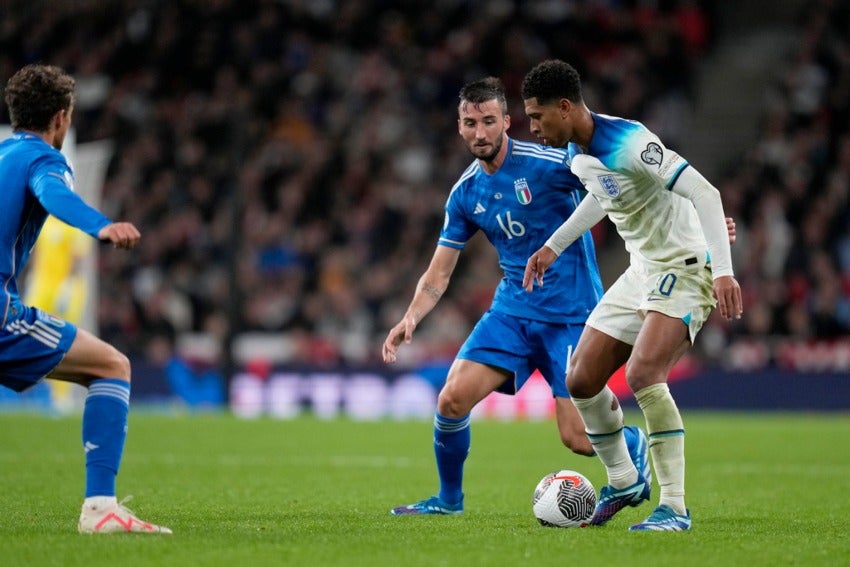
(631, 173)
(706, 199)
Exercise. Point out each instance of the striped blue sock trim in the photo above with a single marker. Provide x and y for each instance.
(449, 424)
(601, 436)
(111, 387)
(671, 433)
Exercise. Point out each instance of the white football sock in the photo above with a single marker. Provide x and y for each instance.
(603, 420)
(666, 443)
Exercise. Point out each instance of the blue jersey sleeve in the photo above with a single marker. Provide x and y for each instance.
(52, 183)
(457, 229)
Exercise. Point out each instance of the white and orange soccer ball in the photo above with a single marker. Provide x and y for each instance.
(564, 499)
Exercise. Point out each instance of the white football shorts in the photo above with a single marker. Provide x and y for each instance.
(683, 293)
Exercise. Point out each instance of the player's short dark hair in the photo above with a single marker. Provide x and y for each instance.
(552, 80)
(35, 94)
(482, 90)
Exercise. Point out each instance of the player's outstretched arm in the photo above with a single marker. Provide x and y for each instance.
(586, 215)
(432, 284)
(121, 234)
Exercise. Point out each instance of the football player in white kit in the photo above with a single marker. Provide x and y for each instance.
(671, 219)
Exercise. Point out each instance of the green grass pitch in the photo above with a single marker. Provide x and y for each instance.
(764, 489)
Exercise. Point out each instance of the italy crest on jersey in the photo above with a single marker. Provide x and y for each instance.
(523, 192)
(48, 318)
(610, 185)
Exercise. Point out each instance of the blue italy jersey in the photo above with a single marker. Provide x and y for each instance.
(35, 180)
(518, 207)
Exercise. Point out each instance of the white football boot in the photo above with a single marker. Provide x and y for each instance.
(108, 516)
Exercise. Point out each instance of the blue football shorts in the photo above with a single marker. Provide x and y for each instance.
(32, 344)
(522, 346)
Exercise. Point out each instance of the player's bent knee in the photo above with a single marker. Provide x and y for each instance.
(119, 365)
(449, 405)
(579, 385)
(584, 380)
(639, 376)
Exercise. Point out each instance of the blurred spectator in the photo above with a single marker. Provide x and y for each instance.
(197, 384)
(790, 194)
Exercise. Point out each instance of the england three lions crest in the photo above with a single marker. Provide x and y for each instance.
(610, 185)
(523, 191)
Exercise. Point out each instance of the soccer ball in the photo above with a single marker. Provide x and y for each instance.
(564, 499)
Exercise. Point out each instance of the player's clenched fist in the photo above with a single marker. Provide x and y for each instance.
(121, 234)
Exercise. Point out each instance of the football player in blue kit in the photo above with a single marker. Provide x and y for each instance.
(36, 181)
(514, 192)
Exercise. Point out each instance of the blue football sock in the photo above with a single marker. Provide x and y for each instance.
(451, 446)
(104, 432)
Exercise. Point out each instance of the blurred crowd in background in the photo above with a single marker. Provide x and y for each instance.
(287, 161)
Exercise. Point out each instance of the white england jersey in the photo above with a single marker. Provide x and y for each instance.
(630, 173)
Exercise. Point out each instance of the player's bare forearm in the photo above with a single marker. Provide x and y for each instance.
(429, 289)
(433, 292)
(427, 296)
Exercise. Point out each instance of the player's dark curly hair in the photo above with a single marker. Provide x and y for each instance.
(482, 90)
(35, 94)
(552, 80)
